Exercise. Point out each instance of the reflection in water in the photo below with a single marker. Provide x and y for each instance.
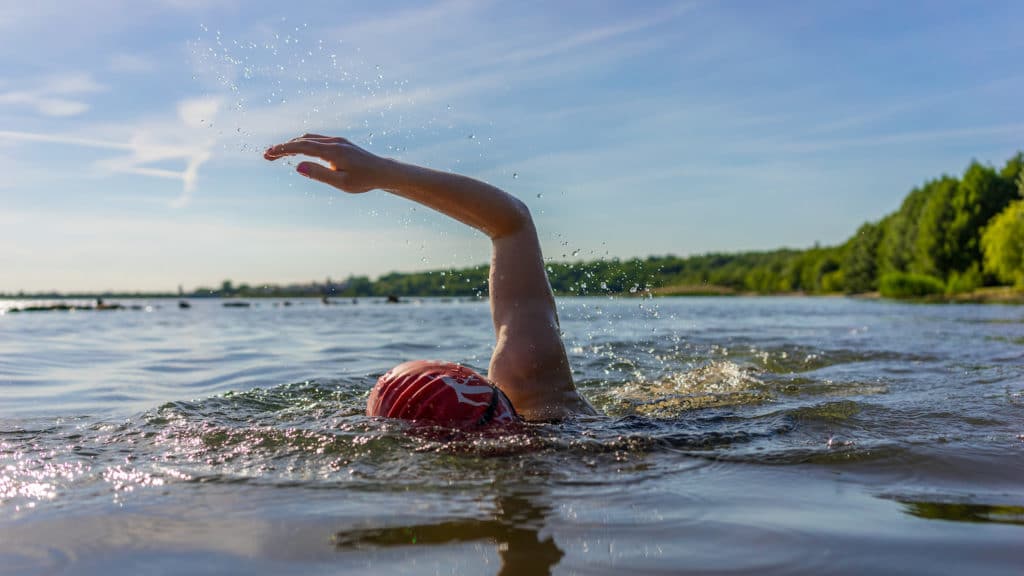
(515, 528)
(965, 512)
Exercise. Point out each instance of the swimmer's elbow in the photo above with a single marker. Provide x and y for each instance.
(515, 219)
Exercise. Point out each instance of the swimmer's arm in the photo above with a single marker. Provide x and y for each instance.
(529, 362)
(354, 170)
(480, 205)
(529, 351)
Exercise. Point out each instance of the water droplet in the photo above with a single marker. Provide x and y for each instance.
(471, 136)
(539, 195)
(515, 175)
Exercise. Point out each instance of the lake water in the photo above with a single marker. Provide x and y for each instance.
(740, 436)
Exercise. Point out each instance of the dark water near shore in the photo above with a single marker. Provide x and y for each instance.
(753, 436)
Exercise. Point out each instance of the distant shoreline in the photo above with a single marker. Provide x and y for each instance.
(986, 295)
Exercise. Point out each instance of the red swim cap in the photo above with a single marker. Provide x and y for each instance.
(440, 393)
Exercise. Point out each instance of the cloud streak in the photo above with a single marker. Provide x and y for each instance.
(58, 96)
(147, 146)
(898, 138)
(591, 36)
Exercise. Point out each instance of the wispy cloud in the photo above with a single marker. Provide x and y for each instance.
(56, 95)
(150, 145)
(897, 138)
(417, 43)
(431, 18)
(591, 36)
(62, 139)
(873, 113)
(198, 111)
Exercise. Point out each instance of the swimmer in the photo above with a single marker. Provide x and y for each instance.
(529, 373)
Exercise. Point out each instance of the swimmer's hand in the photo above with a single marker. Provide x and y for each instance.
(349, 168)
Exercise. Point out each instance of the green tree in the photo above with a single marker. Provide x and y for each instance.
(1013, 171)
(1003, 245)
(934, 254)
(982, 194)
(901, 285)
(834, 281)
(964, 281)
(762, 280)
(827, 276)
(860, 263)
(896, 250)
(357, 286)
(1020, 181)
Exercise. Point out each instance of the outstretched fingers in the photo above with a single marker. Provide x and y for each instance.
(348, 167)
(321, 138)
(325, 174)
(306, 147)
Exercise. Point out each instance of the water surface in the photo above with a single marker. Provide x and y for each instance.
(761, 435)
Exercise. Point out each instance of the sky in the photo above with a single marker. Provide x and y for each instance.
(131, 133)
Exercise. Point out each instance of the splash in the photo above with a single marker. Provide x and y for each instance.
(715, 384)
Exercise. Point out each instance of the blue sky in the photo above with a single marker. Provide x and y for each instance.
(131, 133)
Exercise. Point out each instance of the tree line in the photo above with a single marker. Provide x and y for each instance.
(950, 235)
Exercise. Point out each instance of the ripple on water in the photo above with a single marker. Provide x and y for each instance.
(315, 434)
(799, 385)
(792, 359)
(684, 415)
